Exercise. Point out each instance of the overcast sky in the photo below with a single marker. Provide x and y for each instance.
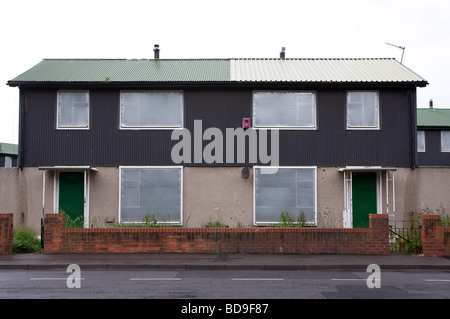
(34, 30)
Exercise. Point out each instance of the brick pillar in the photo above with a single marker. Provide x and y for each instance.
(53, 233)
(431, 233)
(6, 233)
(379, 227)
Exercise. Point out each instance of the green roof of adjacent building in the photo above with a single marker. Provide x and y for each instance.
(11, 149)
(432, 117)
(218, 70)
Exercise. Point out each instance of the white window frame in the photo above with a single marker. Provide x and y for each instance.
(152, 127)
(283, 167)
(421, 135)
(444, 150)
(363, 127)
(121, 168)
(61, 127)
(284, 127)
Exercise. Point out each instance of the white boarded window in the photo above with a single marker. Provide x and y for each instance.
(445, 141)
(73, 109)
(363, 110)
(8, 161)
(420, 141)
(153, 193)
(291, 190)
(151, 109)
(284, 109)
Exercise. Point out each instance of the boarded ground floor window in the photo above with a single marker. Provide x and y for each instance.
(288, 190)
(151, 193)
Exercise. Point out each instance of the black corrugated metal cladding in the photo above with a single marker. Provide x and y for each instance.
(433, 155)
(104, 144)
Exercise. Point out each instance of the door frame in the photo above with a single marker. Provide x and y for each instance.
(347, 213)
(87, 183)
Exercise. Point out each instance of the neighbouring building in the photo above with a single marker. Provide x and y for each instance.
(433, 137)
(433, 159)
(194, 142)
(9, 180)
(8, 155)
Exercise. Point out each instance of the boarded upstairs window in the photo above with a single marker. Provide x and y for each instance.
(362, 110)
(284, 109)
(445, 141)
(151, 109)
(73, 109)
(420, 141)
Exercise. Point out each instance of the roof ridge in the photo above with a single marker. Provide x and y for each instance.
(332, 59)
(206, 59)
(123, 59)
(81, 59)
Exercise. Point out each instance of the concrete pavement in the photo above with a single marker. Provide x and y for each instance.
(216, 261)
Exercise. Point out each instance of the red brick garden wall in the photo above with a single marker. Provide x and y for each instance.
(435, 239)
(6, 233)
(371, 241)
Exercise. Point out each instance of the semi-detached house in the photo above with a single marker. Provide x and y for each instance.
(232, 141)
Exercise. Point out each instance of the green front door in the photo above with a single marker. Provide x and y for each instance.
(364, 197)
(71, 197)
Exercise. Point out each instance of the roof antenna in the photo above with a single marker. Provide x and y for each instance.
(401, 48)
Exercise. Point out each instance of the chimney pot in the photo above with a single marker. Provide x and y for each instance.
(283, 53)
(156, 51)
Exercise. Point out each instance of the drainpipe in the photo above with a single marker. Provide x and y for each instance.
(413, 124)
(43, 208)
(393, 198)
(21, 128)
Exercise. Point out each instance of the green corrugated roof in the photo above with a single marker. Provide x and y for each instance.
(433, 117)
(101, 70)
(6, 148)
(219, 70)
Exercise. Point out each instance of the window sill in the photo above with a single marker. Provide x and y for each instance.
(363, 128)
(292, 128)
(149, 128)
(73, 128)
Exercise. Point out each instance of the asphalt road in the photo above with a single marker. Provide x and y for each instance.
(237, 285)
